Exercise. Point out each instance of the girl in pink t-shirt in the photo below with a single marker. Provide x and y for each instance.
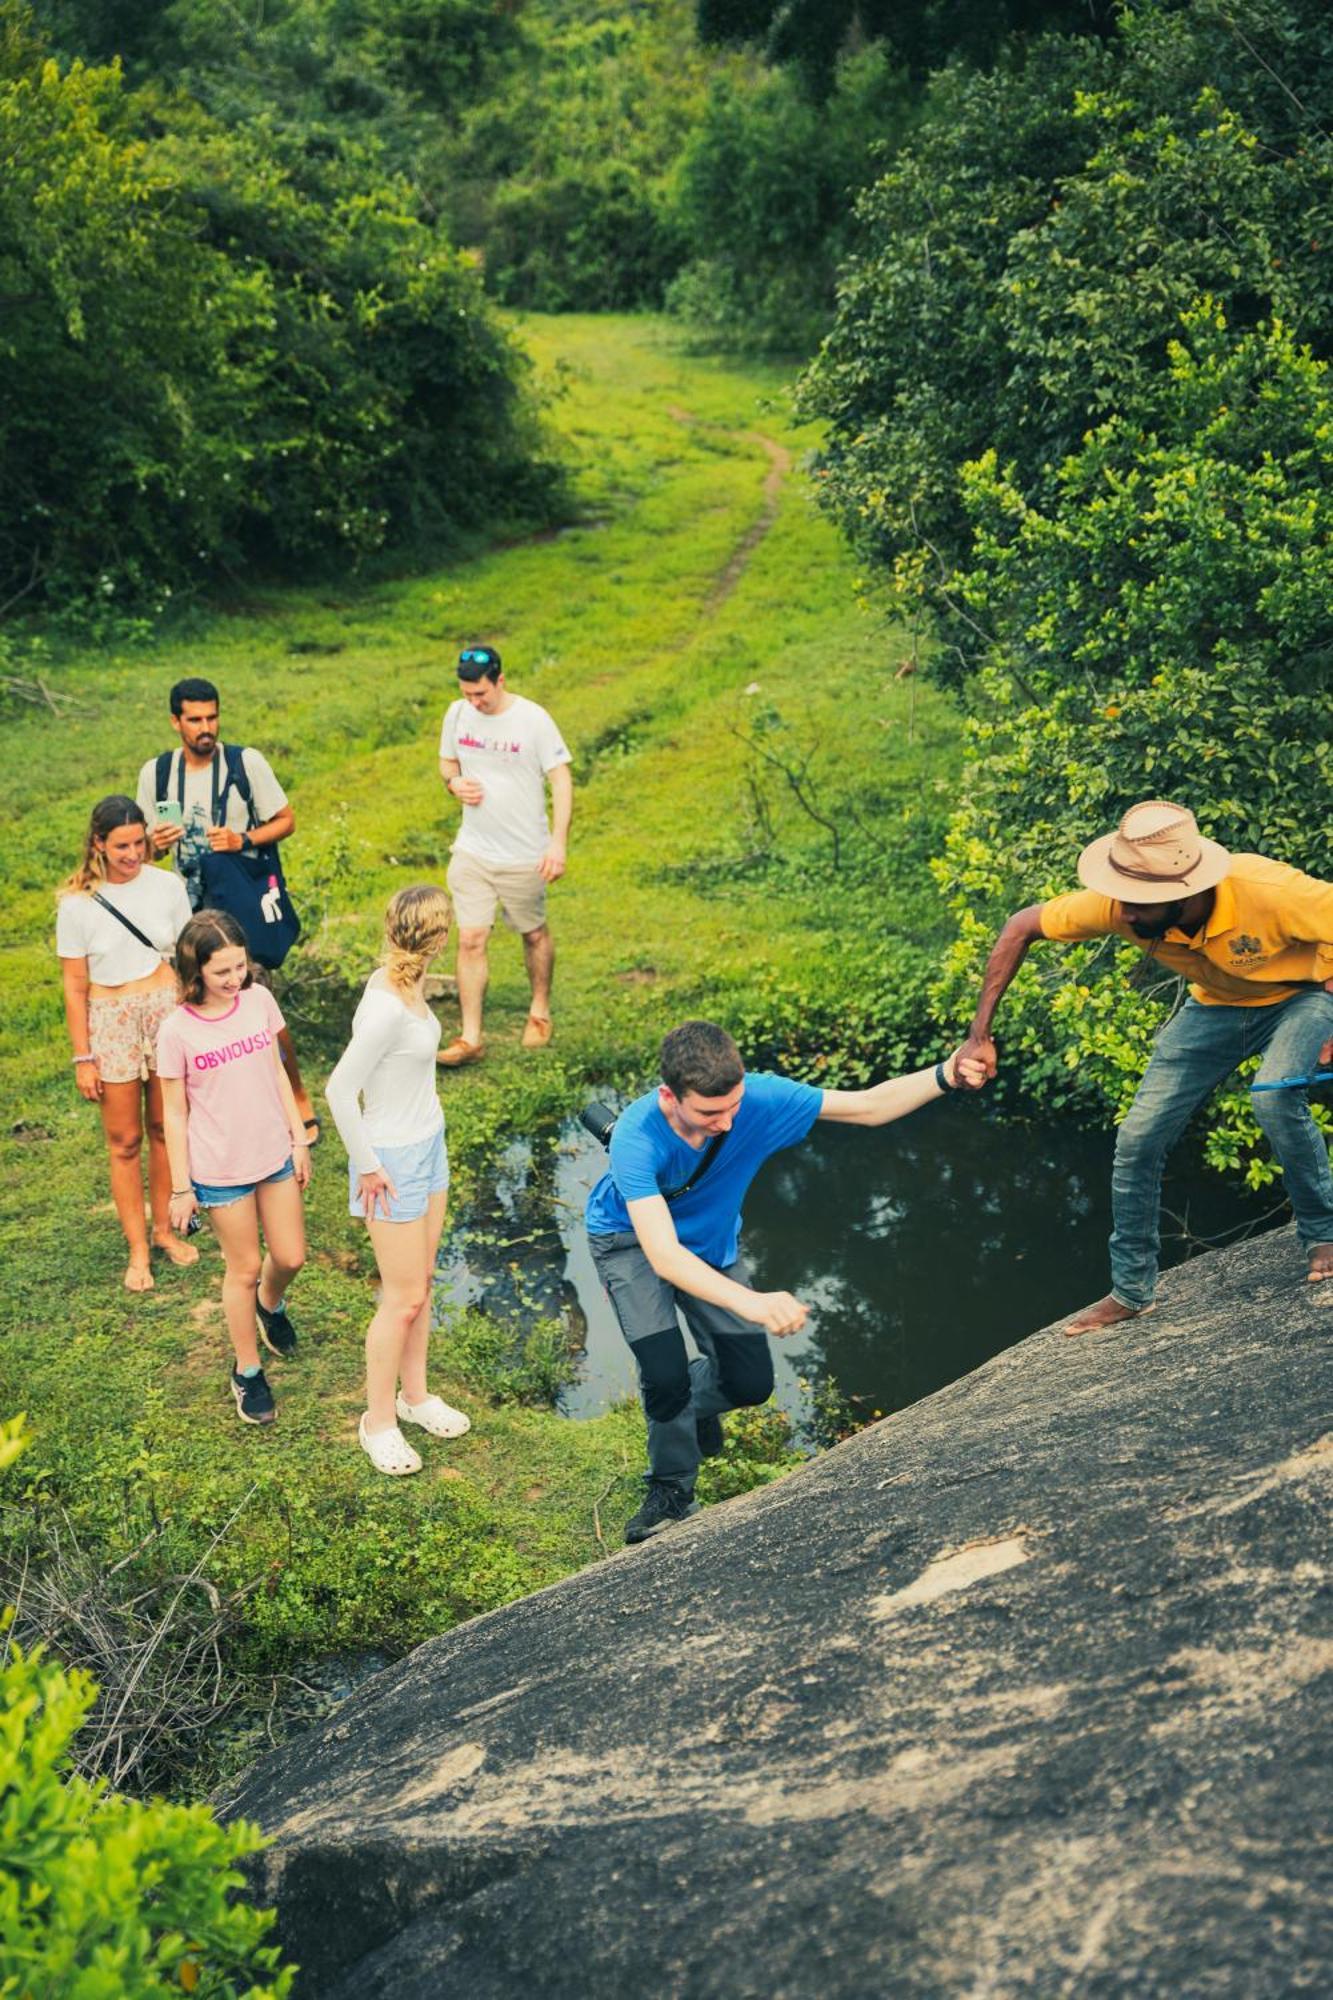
(236, 1141)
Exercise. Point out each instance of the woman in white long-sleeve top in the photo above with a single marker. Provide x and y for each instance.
(383, 1098)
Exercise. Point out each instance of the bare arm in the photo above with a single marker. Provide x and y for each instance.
(74, 973)
(227, 840)
(1010, 949)
(466, 790)
(295, 1123)
(552, 864)
(776, 1312)
(898, 1096)
(175, 1126)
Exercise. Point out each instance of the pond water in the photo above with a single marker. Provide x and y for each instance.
(922, 1249)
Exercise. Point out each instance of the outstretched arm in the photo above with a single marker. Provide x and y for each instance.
(1010, 949)
(899, 1096)
(776, 1312)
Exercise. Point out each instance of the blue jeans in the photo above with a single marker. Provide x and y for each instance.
(1195, 1051)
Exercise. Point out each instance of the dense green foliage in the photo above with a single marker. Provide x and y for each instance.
(228, 343)
(811, 35)
(1080, 419)
(107, 1898)
(763, 200)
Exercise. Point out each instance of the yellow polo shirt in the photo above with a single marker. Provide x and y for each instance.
(1270, 935)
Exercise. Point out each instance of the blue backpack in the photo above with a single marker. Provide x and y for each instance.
(250, 885)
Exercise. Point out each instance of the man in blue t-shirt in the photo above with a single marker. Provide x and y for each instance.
(664, 1226)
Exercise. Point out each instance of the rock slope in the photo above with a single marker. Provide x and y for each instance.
(1024, 1691)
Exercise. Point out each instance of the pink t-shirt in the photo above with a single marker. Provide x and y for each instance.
(238, 1130)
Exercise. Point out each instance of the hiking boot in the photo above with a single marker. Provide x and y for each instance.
(665, 1504)
(276, 1330)
(254, 1398)
(708, 1430)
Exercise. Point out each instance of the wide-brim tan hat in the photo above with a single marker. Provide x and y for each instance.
(1156, 855)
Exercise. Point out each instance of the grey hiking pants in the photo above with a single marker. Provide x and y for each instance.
(734, 1367)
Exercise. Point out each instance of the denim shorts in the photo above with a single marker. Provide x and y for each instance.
(223, 1197)
(417, 1171)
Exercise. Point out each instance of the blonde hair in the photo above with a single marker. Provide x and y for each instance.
(107, 815)
(416, 925)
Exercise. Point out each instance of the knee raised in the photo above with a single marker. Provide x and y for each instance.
(749, 1379)
(663, 1401)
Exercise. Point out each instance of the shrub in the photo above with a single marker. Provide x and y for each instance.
(106, 1898)
(225, 344)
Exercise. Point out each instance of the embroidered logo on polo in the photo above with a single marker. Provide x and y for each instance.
(1245, 949)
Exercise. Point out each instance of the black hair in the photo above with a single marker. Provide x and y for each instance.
(700, 1056)
(192, 690)
(479, 663)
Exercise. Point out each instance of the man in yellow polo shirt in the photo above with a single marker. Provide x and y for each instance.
(1255, 939)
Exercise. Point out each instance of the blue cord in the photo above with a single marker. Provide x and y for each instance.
(1296, 1082)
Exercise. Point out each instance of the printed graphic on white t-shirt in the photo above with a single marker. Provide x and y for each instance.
(509, 755)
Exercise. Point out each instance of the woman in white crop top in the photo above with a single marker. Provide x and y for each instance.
(117, 922)
(383, 1098)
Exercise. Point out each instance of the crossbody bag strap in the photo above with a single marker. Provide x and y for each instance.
(121, 918)
(706, 1159)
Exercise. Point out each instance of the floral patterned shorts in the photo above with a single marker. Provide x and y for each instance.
(122, 1033)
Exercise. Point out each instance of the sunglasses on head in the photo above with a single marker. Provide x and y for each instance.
(476, 656)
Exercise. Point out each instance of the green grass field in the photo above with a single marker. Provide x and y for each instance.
(698, 601)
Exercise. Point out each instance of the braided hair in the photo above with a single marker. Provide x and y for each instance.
(416, 925)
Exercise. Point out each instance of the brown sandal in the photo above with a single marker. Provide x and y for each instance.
(460, 1052)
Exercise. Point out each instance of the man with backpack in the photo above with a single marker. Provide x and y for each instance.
(208, 798)
(664, 1227)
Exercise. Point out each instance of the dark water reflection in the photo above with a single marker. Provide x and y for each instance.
(922, 1249)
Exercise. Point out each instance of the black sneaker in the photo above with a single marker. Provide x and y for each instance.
(708, 1430)
(664, 1505)
(276, 1330)
(254, 1398)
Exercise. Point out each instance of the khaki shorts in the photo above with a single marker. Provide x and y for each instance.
(477, 886)
(122, 1033)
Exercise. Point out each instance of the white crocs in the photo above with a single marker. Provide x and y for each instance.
(433, 1415)
(388, 1451)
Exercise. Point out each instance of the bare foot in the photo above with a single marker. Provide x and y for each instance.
(1106, 1312)
(138, 1277)
(174, 1250)
(1321, 1263)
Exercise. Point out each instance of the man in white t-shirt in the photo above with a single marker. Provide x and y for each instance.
(498, 753)
(197, 811)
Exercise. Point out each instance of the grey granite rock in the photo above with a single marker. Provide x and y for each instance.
(1024, 1691)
